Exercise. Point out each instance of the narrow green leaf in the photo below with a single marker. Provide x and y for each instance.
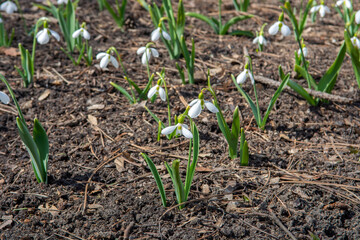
(157, 178)
(249, 101)
(204, 19)
(244, 158)
(233, 21)
(191, 167)
(41, 139)
(274, 98)
(123, 91)
(302, 92)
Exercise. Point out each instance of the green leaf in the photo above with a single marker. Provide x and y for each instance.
(32, 150)
(123, 91)
(306, 75)
(274, 98)
(235, 127)
(249, 101)
(143, 94)
(180, 21)
(205, 19)
(179, 187)
(233, 21)
(244, 157)
(41, 139)
(144, 4)
(242, 33)
(190, 171)
(327, 82)
(157, 178)
(302, 92)
(354, 55)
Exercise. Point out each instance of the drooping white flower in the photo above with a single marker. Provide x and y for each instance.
(43, 36)
(62, 1)
(83, 32)
(105, 59)
(8, 6)
(1, 20)
(357, 17)
(322, 9)
(157, 89)
(199, 104)
(305, 51)
(346, 2)
(146, 54)
(4, 98)
(155, 35)
(261, 40)
(355, 42)
(181, 129)
(241, 78)
(279, 25)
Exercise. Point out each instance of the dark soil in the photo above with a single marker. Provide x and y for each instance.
(304, 168)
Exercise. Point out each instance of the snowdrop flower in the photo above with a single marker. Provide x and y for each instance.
(322, 9)
(347, 3)
(62, 1)
(106, 58)
(280, 25)
(199, 104)
(305, 51)
(157, 89)
(82, 31)
(181, 129)
(4, 98)
(43, 36)
(8, 6)
(355, 42)
(260, 40)
(357, 17)
(1, 20)
(155, 35)
(146, 53)
(241, 78)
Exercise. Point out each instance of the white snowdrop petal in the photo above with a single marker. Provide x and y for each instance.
(166, 35)
(140, 50)
(339, 2)
(274, 28)
(152, 92)
(55, 35)
(193, 102)
(357, 17)
(39, 33)
(314, 9)
(86, 34)
(162, 94)
(4, 98)
(195, 110)
(114, 61)
(155, 35)
(145, 58)
(322, 12)
(76, 33)
(101, 55)
(348, 3)
(168, 130)
(252, 78)
(104, 62)
(154, 52)
(241, 78)
(186, 132)
(305, 51)
(1, 20)
(285, 30)
(256, 40)
(43, 38)
(211, 107)
(262, 40)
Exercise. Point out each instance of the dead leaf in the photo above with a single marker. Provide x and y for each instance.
(52, 210)
(44, 95)
(120, 164)
(95, 206)
(205, 189)
(6, 223)
(96, 107)
(92, 120)
(203, 169)
(13, 52)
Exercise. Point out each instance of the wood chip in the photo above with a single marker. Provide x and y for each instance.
(92, 120)
(44, 95)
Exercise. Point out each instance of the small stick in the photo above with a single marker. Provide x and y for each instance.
(281, 225)
(127, 230)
